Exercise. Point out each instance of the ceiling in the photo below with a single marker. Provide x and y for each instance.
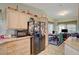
(53, 9)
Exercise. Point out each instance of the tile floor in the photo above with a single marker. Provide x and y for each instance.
(53, 50)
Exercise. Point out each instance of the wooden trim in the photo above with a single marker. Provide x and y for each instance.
(50, 22)
(12, 8)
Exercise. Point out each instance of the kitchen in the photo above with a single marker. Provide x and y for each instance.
(21, 29)
(28, 29)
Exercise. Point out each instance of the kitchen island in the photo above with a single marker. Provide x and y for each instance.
(15, 46)
(71, 46)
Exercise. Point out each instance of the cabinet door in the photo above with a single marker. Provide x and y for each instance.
(11, 48)
(3, 50)
(12, 18)
(23, 21)
(23, 47)
(8, 48)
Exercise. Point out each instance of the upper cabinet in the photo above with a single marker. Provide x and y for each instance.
(16, 20)
(23, 18)
(12, 19)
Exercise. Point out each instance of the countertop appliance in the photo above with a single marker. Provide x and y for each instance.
(20, 33)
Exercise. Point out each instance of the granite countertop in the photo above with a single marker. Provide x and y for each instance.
(13, 39)
(73, 42)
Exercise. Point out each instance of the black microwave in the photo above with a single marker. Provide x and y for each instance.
(20, 33)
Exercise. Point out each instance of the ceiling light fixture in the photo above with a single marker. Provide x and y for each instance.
(63, 13)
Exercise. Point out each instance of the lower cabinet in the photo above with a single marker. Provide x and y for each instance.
(23, 47)
(19, 47)
(3, 50)
(11, 48)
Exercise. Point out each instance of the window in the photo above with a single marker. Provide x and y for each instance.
(60, 27)
(71, 28)
(50, 28)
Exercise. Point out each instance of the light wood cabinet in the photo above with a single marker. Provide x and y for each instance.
(16, 19)
(12, 19)
(11, 48)
(8, 48)
(23, 47)
(22, 20)
(19, 47)
(3, 50)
